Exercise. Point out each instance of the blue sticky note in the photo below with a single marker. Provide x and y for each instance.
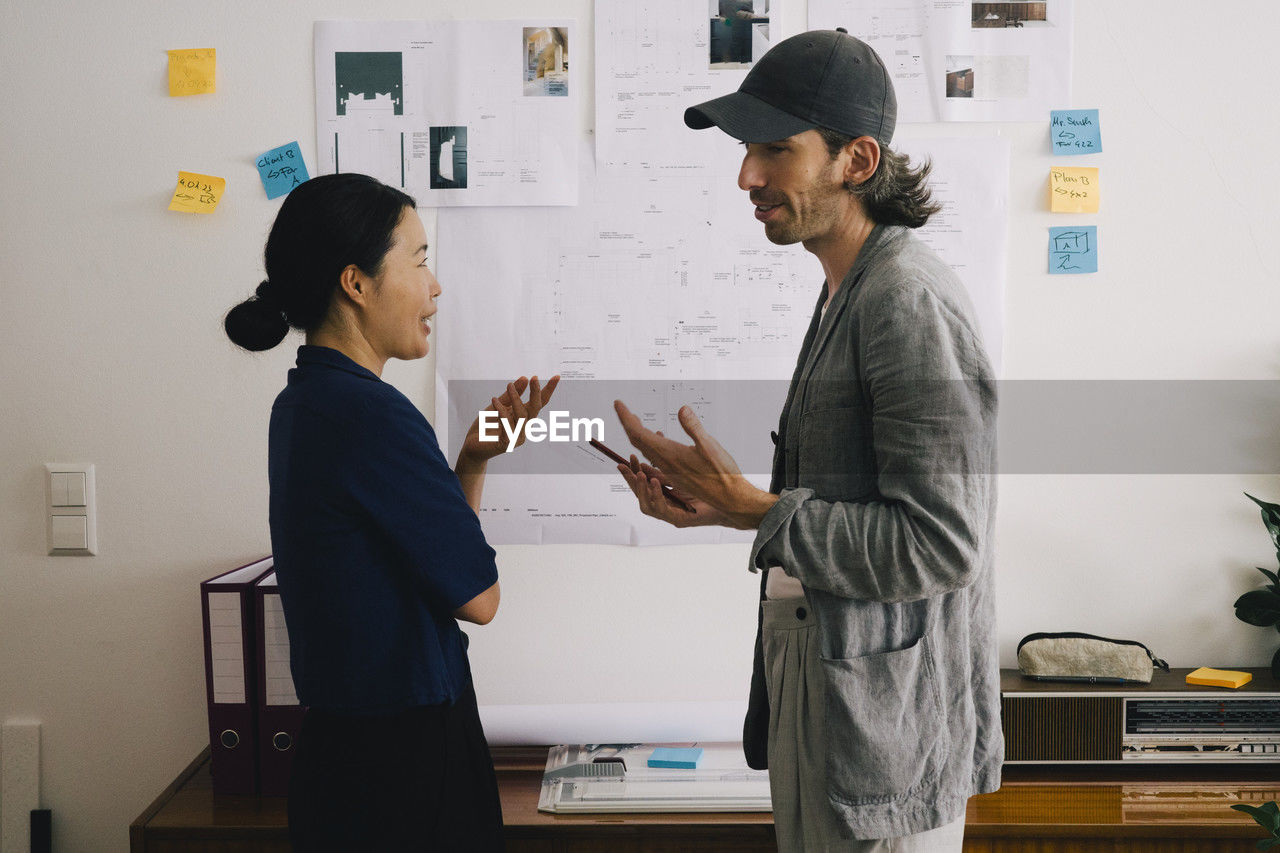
(1075, 132)
(1073, 249)
(282, 169)
(683, 758)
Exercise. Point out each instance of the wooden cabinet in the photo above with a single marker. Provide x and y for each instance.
(1063, 809)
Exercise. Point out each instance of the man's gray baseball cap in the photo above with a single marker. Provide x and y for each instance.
(822, 78)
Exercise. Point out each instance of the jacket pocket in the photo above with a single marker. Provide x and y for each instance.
(886, 736)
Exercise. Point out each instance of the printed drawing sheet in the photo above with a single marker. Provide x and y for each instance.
(660, 293)
(653, 59)
(457, 113)
(954, 60)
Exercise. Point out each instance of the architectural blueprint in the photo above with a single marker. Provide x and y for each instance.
(457, 113)
(661, 293)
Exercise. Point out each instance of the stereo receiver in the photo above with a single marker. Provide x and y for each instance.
(1167, 720)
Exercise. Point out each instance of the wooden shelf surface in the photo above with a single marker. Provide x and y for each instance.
(1066, 806)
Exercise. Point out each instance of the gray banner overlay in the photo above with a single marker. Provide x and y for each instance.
(1044, 426)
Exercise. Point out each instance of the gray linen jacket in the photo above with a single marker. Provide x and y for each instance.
(885, 463)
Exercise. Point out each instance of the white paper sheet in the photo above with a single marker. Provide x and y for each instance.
(954, 60)
(659, 292)
(614, 722)
(654, 58)
(457, 113)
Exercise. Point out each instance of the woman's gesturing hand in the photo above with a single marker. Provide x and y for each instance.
(514, 411)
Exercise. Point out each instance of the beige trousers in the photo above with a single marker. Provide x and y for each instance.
(802, 818)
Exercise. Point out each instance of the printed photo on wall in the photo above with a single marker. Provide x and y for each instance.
(546, 61)
(369, 82)
(959, 76)
(999, 16)
(448, 158)
(739, 33)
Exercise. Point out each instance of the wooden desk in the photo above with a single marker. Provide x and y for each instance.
(1064, 809)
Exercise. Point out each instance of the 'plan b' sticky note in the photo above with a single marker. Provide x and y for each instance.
(192, 72)
(197, 193)
(1073, 190)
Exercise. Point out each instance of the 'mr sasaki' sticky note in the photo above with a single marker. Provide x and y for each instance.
(683, 757)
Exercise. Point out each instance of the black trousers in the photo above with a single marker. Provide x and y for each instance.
(421, 779)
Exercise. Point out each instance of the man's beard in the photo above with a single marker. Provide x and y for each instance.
(819, 218)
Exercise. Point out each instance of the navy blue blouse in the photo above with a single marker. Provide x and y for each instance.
(374, 543)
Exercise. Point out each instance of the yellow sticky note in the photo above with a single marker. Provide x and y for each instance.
(191, 72)
(197, 193)
(1073, 190)
(1219, 677)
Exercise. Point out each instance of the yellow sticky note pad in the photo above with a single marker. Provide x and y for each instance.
(1073, 190)
(197, 193)
(1218, 677)
(192, 72)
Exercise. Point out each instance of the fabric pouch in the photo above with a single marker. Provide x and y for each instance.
(1072, 656)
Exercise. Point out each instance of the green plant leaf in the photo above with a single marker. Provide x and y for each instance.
(1271, 518)
(1271, 821)
(1259, 607)
(1271, 576)
(1268, 817)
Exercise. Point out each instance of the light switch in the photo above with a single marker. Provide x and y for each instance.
(71, 510)
(76, 492)
(58, 487)
(69, 532)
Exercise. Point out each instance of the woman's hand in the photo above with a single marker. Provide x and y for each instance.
(511, 408)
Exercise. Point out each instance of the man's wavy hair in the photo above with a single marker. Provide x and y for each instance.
(896, 194)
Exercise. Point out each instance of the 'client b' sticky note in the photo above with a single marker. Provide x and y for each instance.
(684, 757)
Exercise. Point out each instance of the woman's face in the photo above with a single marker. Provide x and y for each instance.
(403, 296)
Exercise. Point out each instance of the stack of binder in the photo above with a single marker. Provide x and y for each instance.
(254, 715)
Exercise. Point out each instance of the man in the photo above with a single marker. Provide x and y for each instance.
(875, 695)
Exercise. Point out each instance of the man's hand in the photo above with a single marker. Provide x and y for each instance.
(704, 474)
(647, 482)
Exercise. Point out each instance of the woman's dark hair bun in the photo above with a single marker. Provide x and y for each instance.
(323, 226)
(257, 323)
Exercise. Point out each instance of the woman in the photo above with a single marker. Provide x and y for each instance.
(377, 546)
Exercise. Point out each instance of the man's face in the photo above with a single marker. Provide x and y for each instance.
(798, 189)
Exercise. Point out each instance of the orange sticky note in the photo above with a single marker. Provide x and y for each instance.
(192, 72)
(1219, 677)
(197, 193)
(1073, 189)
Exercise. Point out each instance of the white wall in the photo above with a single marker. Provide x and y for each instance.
(113, 354)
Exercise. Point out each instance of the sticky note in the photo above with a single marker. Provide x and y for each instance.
(1219, 677)
(282, 169)
(1073, 250)
(191, 72)
(197, 193)
(1073, 190)
(1075, 132)
(683, 758)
